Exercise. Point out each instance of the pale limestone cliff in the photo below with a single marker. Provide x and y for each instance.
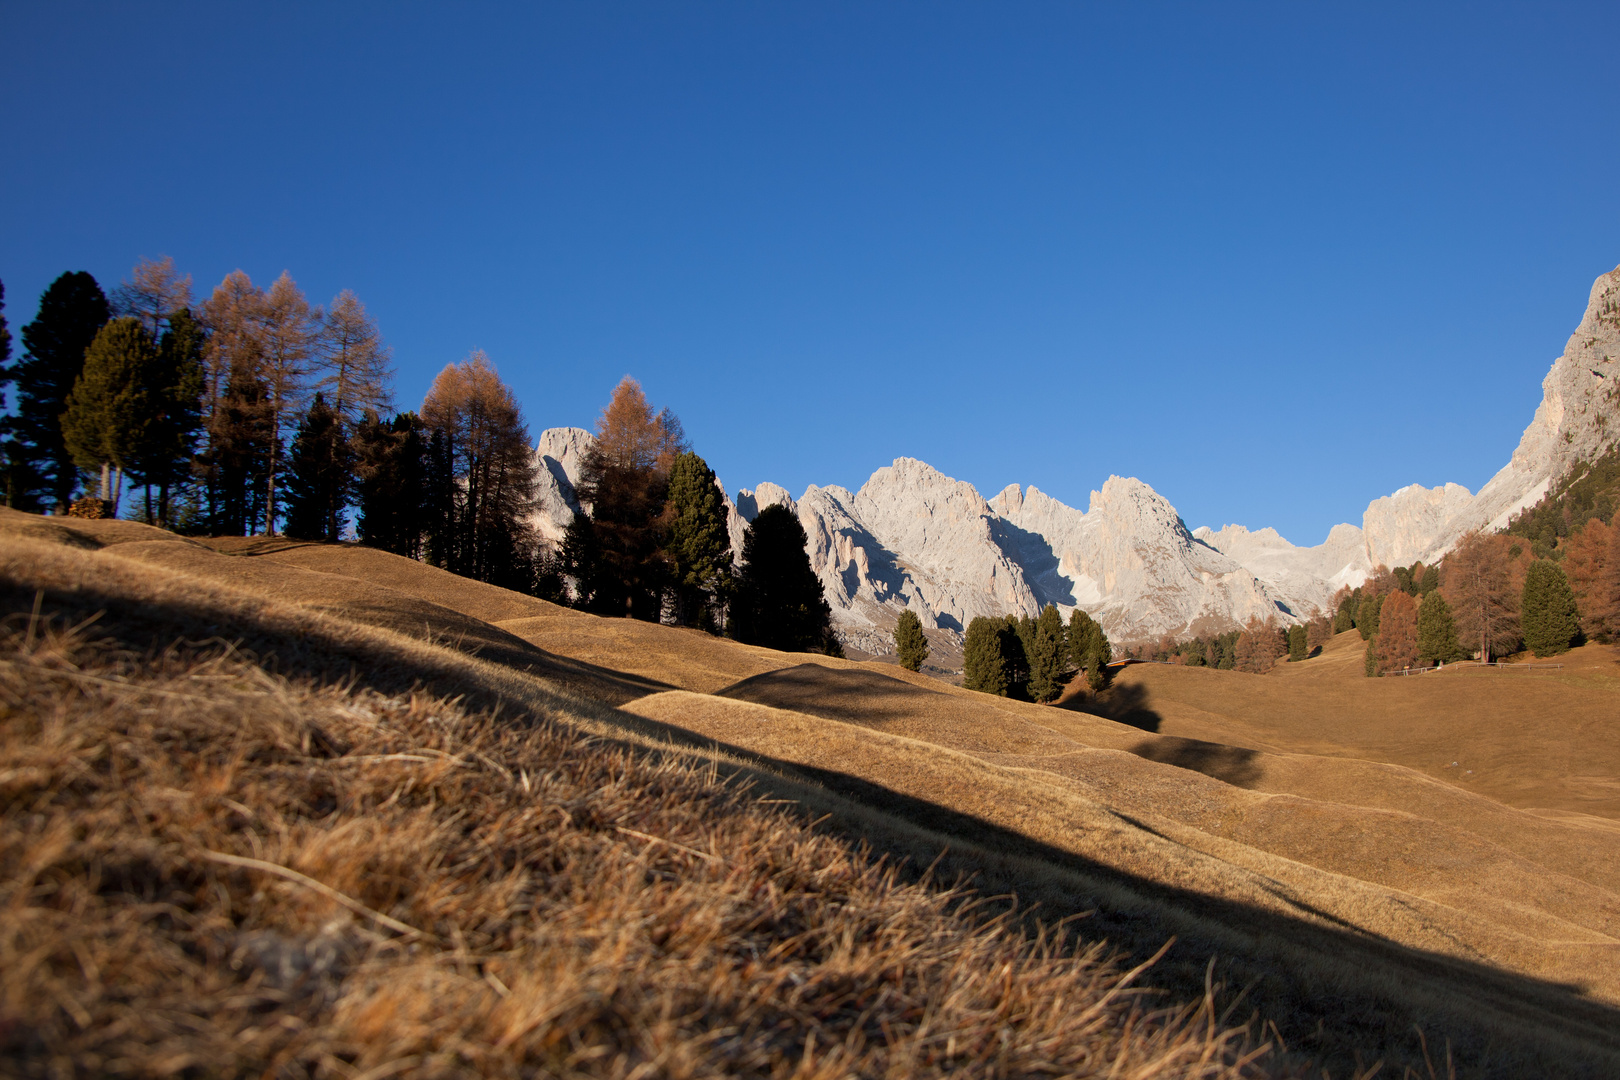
(558, 457)
(1577, 420)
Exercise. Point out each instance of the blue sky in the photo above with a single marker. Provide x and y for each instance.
(1275, 260)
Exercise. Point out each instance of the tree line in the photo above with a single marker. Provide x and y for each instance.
(1490, 597)
(254, 413)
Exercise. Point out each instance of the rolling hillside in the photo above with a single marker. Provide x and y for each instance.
(1302, 836)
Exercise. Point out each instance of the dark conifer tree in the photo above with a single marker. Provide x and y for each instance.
(320, 479)
(1430, 582)
(164, 457)
(1296, 644)
(1547, 614)
(109, 413)
(71, 312)
(1367, 616)
(577, 561)
(780, 603)
(1046, 659)
(440, 526)
(697, 545)
(1090, 650)
(391, 462)
(984, 668)
(241, 431)
(1016, 629)
(1437, 631)
(910, 643)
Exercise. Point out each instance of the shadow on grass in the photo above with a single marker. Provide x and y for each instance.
(1335, 994)
(1233, 764)
(865, 697)
(1123, 703)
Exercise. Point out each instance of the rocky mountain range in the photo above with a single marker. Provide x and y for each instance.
(912, 537)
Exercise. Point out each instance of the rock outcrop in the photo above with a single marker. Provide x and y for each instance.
(557, 460)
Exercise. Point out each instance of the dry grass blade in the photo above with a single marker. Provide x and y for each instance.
(308, 882)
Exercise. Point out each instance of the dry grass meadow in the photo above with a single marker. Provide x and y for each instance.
(280, 809)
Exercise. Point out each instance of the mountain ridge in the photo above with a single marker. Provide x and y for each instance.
(913, 537)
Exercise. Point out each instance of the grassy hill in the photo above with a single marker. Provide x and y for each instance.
(613, 845)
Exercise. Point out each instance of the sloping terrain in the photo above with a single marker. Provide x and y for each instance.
(1366, 906)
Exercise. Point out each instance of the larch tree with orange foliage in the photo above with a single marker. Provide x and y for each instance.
(1480, 589)
(1397, 647)
(624, 484)
(237, 425)
(1587, 561)
(1258, 646)
(482, 529)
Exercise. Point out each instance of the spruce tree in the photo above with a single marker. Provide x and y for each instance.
(780, 603)
(1547, 613)
(320, 477)
(1046, 659)
(1344, 617)
(71, 312)
(164, 457)
(909, 641)
(577, 562)
(698, 544)
(1297, 647)
(1436, 631)
(1367, 616)
(1089, 649)
(392, 469)
(984, 668)
(1430, 582)
(1369, 660)
(110, 408)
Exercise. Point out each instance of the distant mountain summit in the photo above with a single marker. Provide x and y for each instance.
(912, 537)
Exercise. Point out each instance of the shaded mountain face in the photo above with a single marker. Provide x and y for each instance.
(912, 537)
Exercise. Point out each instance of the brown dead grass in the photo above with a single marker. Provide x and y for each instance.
(1547, 739)
(210, 870)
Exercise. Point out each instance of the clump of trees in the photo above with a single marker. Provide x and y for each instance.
(1033, 659)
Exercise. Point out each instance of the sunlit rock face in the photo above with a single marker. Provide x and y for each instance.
(558, 457)
(1578, 420)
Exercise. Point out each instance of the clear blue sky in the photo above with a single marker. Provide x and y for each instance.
(1275, 260)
